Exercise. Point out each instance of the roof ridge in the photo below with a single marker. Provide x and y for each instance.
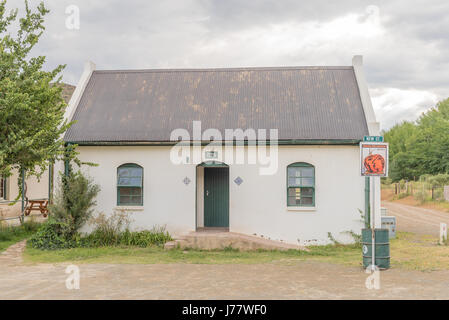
(233, 69)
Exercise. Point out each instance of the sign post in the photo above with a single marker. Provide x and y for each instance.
(373, 164)
(443, 233)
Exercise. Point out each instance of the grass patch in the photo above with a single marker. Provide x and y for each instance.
(10, 235)
(408, 251)
(418, 252)
(349, 255)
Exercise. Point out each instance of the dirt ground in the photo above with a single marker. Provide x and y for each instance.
(299, 280)
(296, 280)
(416, 219)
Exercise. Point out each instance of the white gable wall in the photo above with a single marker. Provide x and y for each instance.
(257, 206)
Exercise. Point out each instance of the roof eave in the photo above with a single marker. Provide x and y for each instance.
(284, 142)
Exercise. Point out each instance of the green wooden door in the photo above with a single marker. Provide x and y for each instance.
(216, 197)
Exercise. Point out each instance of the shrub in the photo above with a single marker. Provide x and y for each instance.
(156, 236)
(107, 230)
(52, 235)
(73, 205)
(438, 194)
(402, 196)
(439, 180)
(421, 195)
(114, 231)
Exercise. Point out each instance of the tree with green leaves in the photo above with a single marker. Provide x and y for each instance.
(402, 163)
(31, 103)
(420, 148)
(432, 140)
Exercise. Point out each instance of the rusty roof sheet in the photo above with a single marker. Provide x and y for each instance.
(147, 105)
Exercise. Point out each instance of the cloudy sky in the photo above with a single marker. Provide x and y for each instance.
(405, 43)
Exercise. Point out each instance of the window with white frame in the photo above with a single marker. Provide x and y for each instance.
(300, 185)
(130, 185)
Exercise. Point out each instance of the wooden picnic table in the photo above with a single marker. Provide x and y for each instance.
(37, 205)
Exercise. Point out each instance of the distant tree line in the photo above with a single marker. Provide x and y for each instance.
(421, 147)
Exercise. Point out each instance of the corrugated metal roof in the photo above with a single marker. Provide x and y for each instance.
(147, 105)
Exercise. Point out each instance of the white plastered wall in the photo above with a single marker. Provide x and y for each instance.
(168, 201)
(258, 206)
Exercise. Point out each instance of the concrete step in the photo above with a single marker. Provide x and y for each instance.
(177, 243)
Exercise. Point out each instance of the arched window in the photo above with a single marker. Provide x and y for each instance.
(130, 185)
(300, 185)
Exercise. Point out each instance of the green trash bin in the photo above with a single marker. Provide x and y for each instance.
(382, 247)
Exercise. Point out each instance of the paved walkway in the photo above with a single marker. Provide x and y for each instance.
(416, 219)
(299, 280)
(13, 255)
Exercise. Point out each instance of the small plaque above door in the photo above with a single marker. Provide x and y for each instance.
(211, 154)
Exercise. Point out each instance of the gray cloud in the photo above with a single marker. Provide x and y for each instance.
(405, 43)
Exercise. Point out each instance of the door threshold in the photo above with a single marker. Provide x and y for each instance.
(212, 229)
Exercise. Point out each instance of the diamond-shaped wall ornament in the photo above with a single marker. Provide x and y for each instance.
(186, 180)
(238, 181)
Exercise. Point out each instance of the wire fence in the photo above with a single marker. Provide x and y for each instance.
(420, 190)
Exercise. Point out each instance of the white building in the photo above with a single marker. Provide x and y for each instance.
(308, 187)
